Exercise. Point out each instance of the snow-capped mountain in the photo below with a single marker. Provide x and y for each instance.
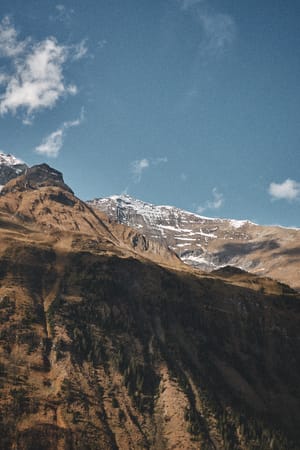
(10, 167)
(210, 243)
(188, 234)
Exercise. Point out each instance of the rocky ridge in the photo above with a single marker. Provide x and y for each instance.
(210, 243)
(41, 198)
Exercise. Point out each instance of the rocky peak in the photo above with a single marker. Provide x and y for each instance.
(10, 167)
(36, 177)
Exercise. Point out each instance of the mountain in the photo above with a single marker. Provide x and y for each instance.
(10, 167)
(108, 343)
(40, 197)
(209, 243)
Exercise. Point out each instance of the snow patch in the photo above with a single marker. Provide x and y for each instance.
(198, 260)
(210, 235)
(9, 160)
(184, 238)
(238, 223)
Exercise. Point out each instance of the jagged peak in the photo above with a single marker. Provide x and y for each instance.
(35, 177)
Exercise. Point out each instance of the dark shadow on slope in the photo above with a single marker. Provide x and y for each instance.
(289, 251)
(239, 249)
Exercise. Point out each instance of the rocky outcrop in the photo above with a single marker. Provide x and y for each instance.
(36, 177)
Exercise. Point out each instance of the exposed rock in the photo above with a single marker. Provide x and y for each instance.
(36, 177)
(209, 243)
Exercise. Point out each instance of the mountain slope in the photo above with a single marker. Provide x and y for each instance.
(208, 243)
(41, 199)
(101, 347)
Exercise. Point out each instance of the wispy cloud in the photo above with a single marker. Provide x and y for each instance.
(36, 80)
(219, 32)
(62, 14)
(187, 4)
(102, 43)
(183, 177)
(3, 78)
(161, 160)
(52, 144)
(216, 202)
(80, 50)
(287, 190)
(138, 166)
(9, 44)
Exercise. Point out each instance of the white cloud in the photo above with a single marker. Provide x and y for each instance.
(215, 203)
(138, 166)
(52, 143)
(287, 190)
(9, 45)
(36, 80)
(72, 89)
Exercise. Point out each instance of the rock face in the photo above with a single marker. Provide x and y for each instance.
(10, 167)
(36, 177)
(105, 346)
(209, 244)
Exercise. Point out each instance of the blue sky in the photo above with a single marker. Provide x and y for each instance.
(193, 103)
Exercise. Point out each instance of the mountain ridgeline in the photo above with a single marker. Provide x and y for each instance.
(109, 341)
(210, 243)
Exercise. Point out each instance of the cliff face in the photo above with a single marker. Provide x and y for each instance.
(103, 348)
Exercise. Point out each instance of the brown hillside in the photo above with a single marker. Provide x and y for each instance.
(103, 348)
